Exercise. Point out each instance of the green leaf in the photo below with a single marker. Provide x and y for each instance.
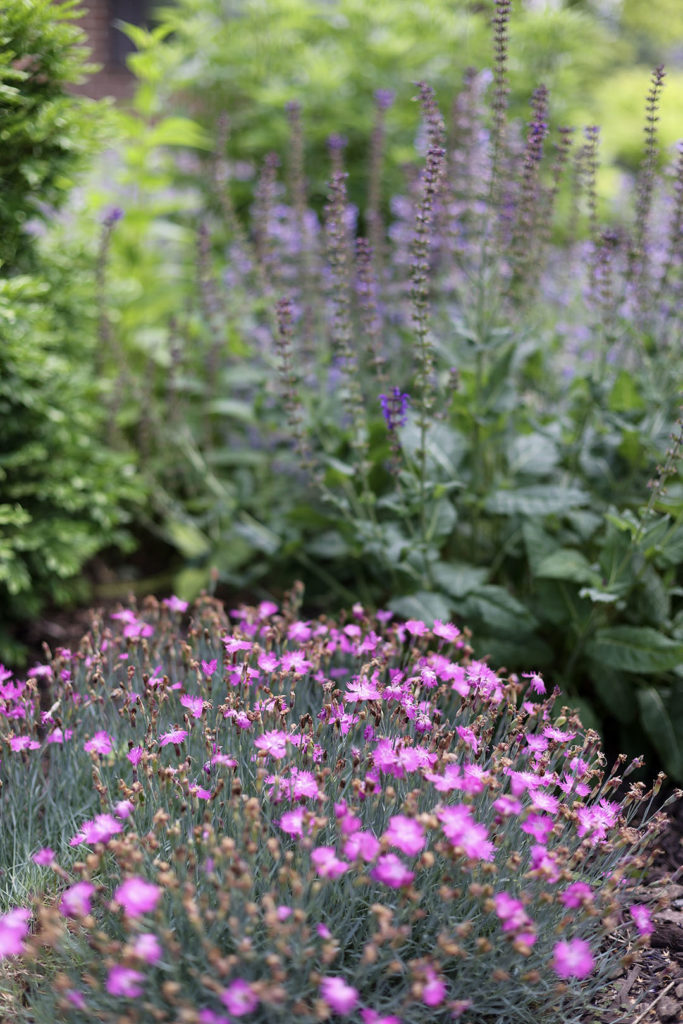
(635, 649)
(599, 596)
(625, 396)
(188, 539)
(567, 564)
(499, 610)
(340, 467)
(329, 544)
(231, 407)
(659, 727)
(532, 455)
(442, 521)
(458, 578)
(189, 582)
(537, 500)
(422, 605)
(258, 535)
(616, 693)
(178, 131)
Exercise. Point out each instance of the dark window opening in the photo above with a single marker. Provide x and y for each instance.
(136, 12)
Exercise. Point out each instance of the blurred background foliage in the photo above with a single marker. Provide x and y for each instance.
(146, 330)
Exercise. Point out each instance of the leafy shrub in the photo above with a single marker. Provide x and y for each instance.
(318, 818)
(46, 132)
(63, 494)
(248, 60)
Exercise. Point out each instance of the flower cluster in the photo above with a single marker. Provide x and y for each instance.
(280, 816)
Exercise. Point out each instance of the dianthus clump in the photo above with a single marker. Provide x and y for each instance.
(260, 816)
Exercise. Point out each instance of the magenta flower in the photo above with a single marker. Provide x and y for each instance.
(372, 1017)
(326, 862)
(535, 681)
(76, 900)
(239, 998)
(573, 959)
(44, 856)
(99, 830)
(391, 871)
(13, 931)
(137, 896)
(134, 755)
(274, 742)
(511, 912)
(147, 948)
(434, 991)
(538, 826)
(292, 822)
(362, 689)
(124, 981)
(195, 705)
(363, 845)
(416, 627)
(76, 998)
(209, 667)
(99, 744)
(268, 662)
(574, 895)
(123, 808)
(18, 743)
(174, 604)
(174, 736)
(462, 831)
(339, 996)
(296, 662)
(641, 916)
(405, 834)
(446, 631)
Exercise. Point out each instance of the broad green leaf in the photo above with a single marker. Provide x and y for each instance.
(178, 131)
(458, 578)
(422, 605)
(659, 727)
(344, 468)
(532, 455)
(537, 500)
(538, 542)
(445, 446)
(258, 535)
(567, 564)
(616, 693)
(599, 596)
(499, 610)
(635, 649)
(188, 539)
(329, 544)
(670, 550)
(189, 582)
(506, 652)
(442, 520)
(232, 408)
(625, 396)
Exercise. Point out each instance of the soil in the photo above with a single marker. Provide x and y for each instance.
(650, 991)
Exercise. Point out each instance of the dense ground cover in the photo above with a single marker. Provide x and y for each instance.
(274, 815)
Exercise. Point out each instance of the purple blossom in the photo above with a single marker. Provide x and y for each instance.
(395, 408)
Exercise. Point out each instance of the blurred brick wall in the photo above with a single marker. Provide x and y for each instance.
(109, 46)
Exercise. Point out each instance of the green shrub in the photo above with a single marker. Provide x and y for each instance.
(247, 60)
(44, 131)
(63, 494)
